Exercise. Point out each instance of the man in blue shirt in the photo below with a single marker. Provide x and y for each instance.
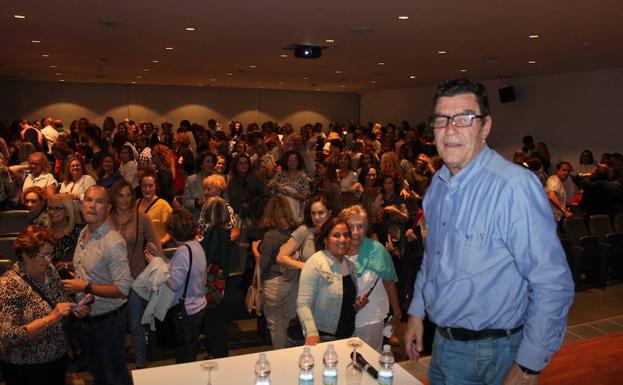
(494, 278)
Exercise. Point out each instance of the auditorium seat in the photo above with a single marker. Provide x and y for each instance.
(587, 255)
(13, 222)
(601, 227)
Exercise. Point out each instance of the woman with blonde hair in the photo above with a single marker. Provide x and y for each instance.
(65, 224)
(39, 174)
(280, 291)
(214, 186)
(216, 242)
(374, 263)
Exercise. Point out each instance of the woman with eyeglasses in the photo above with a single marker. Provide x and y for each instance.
(34, 303)
(39, 173)
(75, 180)
(65, 226)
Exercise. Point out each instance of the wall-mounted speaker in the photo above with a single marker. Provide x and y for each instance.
(507, 94)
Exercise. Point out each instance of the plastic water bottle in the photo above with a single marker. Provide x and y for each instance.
(262, 370)
(306, 366)
(386, 361)
(329, 372)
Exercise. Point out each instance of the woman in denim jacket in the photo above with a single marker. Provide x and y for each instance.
(327, 300)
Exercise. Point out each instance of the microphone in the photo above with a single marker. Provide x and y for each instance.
(365, 365)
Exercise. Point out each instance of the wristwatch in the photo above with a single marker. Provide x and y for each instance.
(88, 288)
(529, 371)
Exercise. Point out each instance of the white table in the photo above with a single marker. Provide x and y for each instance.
(284, 368)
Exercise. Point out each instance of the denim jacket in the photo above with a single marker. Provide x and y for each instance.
(319, 299)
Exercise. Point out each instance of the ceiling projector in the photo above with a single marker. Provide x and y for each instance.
(306, 51)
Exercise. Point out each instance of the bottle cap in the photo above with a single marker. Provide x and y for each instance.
(387, 348)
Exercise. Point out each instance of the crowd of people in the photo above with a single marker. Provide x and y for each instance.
(327, 212)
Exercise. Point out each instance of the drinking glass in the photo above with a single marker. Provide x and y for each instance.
(208, 366)
(354, 372)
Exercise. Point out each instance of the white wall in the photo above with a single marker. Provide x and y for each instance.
(569, 112)
(69, 101)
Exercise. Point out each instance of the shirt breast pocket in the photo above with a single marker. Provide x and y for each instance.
(467, 251)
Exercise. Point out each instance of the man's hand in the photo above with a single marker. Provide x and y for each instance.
(414, 338)
(74, 285)
(515, 376)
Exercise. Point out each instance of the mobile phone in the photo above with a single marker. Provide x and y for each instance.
(86, 300)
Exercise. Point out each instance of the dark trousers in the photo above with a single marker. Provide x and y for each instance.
(104, 344)
(214, 332)
(52, 373)
(188, 353)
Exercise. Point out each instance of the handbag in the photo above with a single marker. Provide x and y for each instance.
(215, 279)
(174, 329)
(255, 293)
(215, 285)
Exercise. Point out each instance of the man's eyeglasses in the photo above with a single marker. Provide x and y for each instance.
(458, 120)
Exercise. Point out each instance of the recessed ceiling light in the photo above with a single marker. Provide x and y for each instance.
(412, 77)
(330, 41)
(381, 63)
(52, 66)
(19, 16)
(284, 55)
(35, 41)
(58, 74)
(534, 36)
(252, 66)
(61, 80)
(403, 17)
(280, 83)
(139, 77)
(199, 84)
(532, 62)
(155, 61)
(146, 69)
(338, 72)
(317, 89)
(230, 74)
(169, 48)
(212, 80)
(133, 82)
(342, 86)
(190, 28)
(305, 78)
(463, 70)
(441, 52)
(45, 55)
(373, 81)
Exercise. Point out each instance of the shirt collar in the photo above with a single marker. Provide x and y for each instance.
(468, 172)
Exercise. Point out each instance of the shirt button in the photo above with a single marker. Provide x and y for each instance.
(443, 223)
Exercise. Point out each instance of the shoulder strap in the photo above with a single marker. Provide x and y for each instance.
(190, 266)
(151, 204)
(27, 279)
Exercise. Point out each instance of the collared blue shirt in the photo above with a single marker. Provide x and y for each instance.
(493, 258)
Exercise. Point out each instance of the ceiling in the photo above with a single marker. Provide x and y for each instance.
(117, 41)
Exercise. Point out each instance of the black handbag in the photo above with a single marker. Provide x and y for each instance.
(174, 330)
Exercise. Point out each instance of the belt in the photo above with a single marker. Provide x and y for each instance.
(102, 317)
(460, 334)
